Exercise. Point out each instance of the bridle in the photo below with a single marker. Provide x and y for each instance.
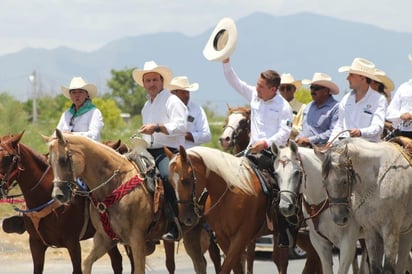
(350, 180)
(197, 204)
(301, 176)
(241, 127)
(73, 183)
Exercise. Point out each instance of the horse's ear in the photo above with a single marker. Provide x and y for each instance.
(60, 136)
(45, 138)
(293, 146)
(182, 152)
(274, 148)
(16, 139)
(229, 108)
(169, 154)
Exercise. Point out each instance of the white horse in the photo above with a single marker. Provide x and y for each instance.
(299, 170)
(373, 183)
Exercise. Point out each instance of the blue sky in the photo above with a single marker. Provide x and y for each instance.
(89, 24)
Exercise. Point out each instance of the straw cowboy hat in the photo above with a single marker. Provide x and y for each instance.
(79, 83)
(385, 80)
(151, 66)
(324, 80)
(222, 42)
(362, 67)
(182, 83)
(287, 79)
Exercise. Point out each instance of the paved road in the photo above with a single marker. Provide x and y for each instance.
(155, 265)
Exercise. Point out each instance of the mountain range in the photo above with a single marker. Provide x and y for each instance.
(300, 44)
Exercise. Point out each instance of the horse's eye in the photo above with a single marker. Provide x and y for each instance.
(186, 181)
(63, 161)
(7, 160)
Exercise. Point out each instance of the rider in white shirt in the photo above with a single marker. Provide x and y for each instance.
(198, 131)
(361, 111)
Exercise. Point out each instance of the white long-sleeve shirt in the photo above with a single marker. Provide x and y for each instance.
(271, 120)
(89, 124)
(367, 115)
(197, 125)
(168, 110)
(401, 103)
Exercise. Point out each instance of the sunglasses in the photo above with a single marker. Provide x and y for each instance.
(286, 88)
(316, 88)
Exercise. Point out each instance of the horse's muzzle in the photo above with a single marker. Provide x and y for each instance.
(62, 192)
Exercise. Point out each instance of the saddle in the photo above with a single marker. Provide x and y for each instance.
(146, 164)
(406, 144)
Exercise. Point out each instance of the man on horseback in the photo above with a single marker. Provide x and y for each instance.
(320, 115)
(164, 124)
(271, 122)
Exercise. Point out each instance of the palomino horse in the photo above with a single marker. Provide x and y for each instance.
(299, 171)
(234, 139)
(48, 223)
(119, 194)
(235, 205)
(235, 135)
(372, 183)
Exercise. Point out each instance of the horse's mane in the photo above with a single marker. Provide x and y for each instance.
(242, 109)
(235, 171)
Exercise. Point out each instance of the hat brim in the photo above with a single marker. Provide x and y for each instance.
(388, 84)
(359, 72)
(225, 29)
(410, 57)
(191, 87)
(90, 88)
(334, 89)
(165, 72)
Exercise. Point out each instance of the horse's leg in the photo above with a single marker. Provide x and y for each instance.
(116, 260)
(75, 252)
(323, 250)
(250, 256)
(280, 257)
(37, 249)
(136, 239)
(347, 248)
(374, 245)
(313, 263)
(101, 245)
(192, 243)
(170, 256)
(403, 254)
(214, 254)
(130, 256)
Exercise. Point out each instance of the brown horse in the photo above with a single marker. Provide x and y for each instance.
(119, 192)
(234, 139)
(235, 136)
(48, 223)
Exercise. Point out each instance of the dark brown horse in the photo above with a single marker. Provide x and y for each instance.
(234, 139)
(48, 223)
(121, 195)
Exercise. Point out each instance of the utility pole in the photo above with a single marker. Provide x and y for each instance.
(33, 80)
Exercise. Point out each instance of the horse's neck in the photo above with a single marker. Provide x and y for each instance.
(35, 179)
(312, 186)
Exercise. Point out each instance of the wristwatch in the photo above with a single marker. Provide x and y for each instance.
(157, 129)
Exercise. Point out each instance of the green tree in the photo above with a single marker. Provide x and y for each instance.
(303, 95)
(129, 96)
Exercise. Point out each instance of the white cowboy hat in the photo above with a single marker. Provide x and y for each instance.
(151, 66)
(182, 83)
(324, 80)
(362, 67)
(287, 79)
(410, 57)
(222, 42)
(385, 80)
(79, 83)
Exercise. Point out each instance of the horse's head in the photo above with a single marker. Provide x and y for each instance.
(338, 178)
(9, 162)
(236, 130)
(182, 176)
(289, 174)
(67, 167)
